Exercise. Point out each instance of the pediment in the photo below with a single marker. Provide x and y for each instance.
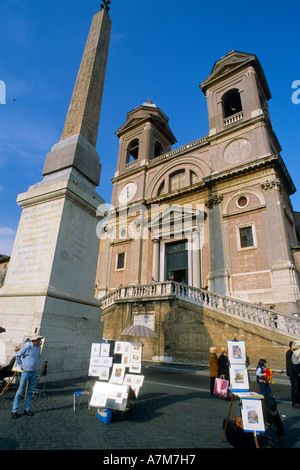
(129, 124)
(231, 63)
(228, 64)
(140, 120)
(232, 60)
(175, 218)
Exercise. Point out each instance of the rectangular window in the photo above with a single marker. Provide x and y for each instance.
(246, 237)
(120, 260)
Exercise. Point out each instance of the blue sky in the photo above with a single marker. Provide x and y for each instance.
(162, 49)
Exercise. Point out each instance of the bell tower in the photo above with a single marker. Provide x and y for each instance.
(143, 137)
(237, 96)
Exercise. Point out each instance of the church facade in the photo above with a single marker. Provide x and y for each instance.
(215, 213)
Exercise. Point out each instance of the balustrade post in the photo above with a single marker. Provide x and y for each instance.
(281, 324)
(159, 289)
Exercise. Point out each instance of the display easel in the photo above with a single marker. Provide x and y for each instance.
(8, 384)
(241, 396)
(240, 389)
(117, 366)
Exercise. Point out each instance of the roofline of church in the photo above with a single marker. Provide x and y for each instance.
(128, 126)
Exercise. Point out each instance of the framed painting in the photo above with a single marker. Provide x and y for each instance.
(135, 381)
(135, 357)
(104, 373)
(125, 359)
(129, 379)
(95, 361)
(117, 375)
(122, 347)
(239, 379)
(105, 349)
(136, 347)
(237, 352)
(95, 350)
(94, 371)
(252, 415)
(135, 368)
(105, 361)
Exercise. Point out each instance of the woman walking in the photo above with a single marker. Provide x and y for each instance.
(213, 368)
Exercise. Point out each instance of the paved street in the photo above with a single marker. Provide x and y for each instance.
(167, 416)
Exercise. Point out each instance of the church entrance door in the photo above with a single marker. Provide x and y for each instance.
(177, 261)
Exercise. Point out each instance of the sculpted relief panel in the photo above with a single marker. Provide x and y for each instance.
(237, 151)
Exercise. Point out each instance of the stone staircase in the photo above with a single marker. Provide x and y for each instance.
(249, 313)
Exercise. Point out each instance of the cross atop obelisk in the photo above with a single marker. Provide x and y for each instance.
(105, 5)
(79, 137)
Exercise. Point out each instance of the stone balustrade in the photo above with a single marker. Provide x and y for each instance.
(234, 118)
(255, 314)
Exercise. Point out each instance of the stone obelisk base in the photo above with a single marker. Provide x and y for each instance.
(69, 329)
(49, 286)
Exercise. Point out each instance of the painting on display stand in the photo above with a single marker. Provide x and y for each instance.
(239, 378)
(252, 415)
(237, 352)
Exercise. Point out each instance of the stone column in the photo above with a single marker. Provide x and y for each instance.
(218, 276)
(196, 262)
(155, 260)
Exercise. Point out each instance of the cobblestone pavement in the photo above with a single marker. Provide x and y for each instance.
(163, 417)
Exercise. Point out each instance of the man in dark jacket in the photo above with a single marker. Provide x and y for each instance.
(293, 372)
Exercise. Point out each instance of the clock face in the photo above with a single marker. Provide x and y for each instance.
(127, 192)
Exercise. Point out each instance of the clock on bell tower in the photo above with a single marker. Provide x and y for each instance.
(127, 192)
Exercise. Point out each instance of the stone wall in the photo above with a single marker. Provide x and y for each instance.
(186, 332)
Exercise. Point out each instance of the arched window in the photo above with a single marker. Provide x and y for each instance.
(231, 103)
(177, 180)
(158, 149)
(161, 189)
(194, 177)
(132, 151)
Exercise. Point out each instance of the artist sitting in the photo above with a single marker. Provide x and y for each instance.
(6, 371)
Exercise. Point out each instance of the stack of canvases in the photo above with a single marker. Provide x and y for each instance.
(118, 366)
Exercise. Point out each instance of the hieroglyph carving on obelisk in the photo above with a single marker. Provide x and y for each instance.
(84, 111)
(78, 141)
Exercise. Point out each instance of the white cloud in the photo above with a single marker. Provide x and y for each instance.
(7, 232)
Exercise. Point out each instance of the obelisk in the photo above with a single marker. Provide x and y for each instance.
(49, 287)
